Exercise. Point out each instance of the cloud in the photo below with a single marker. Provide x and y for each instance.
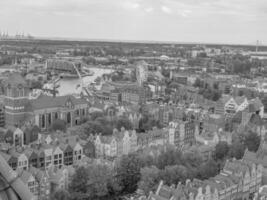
(166, 9)
(138, 19)
(149, 10)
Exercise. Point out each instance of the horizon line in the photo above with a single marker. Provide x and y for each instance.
(139, 41)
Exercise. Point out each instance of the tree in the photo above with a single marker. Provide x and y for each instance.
(36, 84)
(124, 122)
(207, 170)
(215, 86)
(59, 124)
(79, 181)
(128, 172)
(93, 182)
(252, 141)
(149, 179)
(221, 150)
(174, 174)
(147, 123)
(237, 150)
(61, 195)
(96, 115)
(99, 177)
(169, 157)
(192, 159)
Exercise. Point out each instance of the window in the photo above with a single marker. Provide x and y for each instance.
(49, 118)
(68, 117)
(43, 121)
(56, 115)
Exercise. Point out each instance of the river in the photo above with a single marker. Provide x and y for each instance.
(70, 86)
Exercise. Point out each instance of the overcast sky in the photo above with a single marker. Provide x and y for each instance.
(208, 21)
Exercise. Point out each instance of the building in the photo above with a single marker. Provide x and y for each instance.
(179, 78)
(43, 111)
(238, 180)
(2, 115)
(29, 180)
(58, 66)
(53, 151)
(141, 72)
(42, 179)
(259, 158)
(182, 133)
(155, 137)
(119, 143)
(12, 184)
(229, 105)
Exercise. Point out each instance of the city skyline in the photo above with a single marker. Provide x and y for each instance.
(193, 21)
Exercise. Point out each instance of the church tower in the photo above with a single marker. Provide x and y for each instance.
(15, 100)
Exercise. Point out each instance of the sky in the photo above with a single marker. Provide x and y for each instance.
(196, 21)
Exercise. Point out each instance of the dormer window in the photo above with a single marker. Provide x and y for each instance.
(69, 104)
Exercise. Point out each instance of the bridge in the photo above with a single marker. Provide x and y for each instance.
(84, 88)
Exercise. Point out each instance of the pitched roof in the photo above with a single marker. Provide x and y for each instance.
(53, 102)
(25, 176)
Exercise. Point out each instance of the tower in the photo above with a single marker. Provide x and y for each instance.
(15, 100)
(257, 45)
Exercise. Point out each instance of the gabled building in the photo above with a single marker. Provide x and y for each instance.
(260, 157)
(119, 143)
(42, 179)
(237, 180)
(29, 180)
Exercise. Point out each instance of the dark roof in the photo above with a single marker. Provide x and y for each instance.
(52, 102)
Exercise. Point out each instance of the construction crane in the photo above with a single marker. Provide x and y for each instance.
(257, 45)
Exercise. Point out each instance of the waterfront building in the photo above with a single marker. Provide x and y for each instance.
(43, 111)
